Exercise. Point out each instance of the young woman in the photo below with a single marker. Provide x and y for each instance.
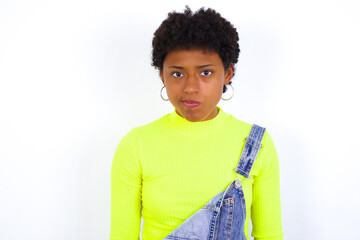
(175, 170)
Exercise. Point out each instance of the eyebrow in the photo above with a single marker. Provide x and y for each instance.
(202, 66)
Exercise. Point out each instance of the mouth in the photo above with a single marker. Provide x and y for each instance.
(190, 103)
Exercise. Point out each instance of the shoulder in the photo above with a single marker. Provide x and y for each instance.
(245, 127)
(155, 126)
(239, 127)
(148, 129)
(267, 141)
(267, 157)
(137, 134)
(239, 123)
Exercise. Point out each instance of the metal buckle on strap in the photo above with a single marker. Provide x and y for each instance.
(240, 177)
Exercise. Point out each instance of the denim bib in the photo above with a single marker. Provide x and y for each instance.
(223, 217)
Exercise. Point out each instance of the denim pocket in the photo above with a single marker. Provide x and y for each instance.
(226, 218)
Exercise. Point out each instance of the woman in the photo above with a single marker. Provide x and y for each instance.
(168, 170)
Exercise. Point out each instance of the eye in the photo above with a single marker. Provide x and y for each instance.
(177, 74)
(206, 73)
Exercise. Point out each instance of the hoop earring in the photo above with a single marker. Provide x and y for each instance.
(161, 94)
(226, 99)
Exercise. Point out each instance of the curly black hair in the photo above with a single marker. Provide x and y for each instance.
(204, 29)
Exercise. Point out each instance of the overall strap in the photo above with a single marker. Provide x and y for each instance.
(250, 151)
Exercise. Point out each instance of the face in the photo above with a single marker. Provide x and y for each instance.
(194, 82)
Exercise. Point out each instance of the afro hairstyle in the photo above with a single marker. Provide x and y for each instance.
(205, 29)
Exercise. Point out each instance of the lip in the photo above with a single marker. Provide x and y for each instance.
(190, 103)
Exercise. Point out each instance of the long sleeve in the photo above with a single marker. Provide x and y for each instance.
(125, 191)
(266, 207)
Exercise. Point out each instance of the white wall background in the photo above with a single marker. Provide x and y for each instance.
(75, 76)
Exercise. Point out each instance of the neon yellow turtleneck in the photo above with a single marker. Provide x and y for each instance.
(171, 167)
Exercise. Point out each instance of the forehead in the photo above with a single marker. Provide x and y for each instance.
(193, 57)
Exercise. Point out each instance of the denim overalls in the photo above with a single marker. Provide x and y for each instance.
(223, 217)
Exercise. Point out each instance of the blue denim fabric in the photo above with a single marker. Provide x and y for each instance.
(223, 217)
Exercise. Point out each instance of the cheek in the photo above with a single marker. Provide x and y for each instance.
(217, 93)
(215, 89)
(172, 93)
(171, 90)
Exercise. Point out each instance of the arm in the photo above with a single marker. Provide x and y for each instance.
(125, 191)
(266, 208)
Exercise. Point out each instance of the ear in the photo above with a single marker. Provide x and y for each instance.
(229, 73)
(162, 77)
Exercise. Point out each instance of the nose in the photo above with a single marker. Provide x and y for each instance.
(192, 84)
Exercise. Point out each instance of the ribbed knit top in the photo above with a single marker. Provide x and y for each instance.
(168, 169)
